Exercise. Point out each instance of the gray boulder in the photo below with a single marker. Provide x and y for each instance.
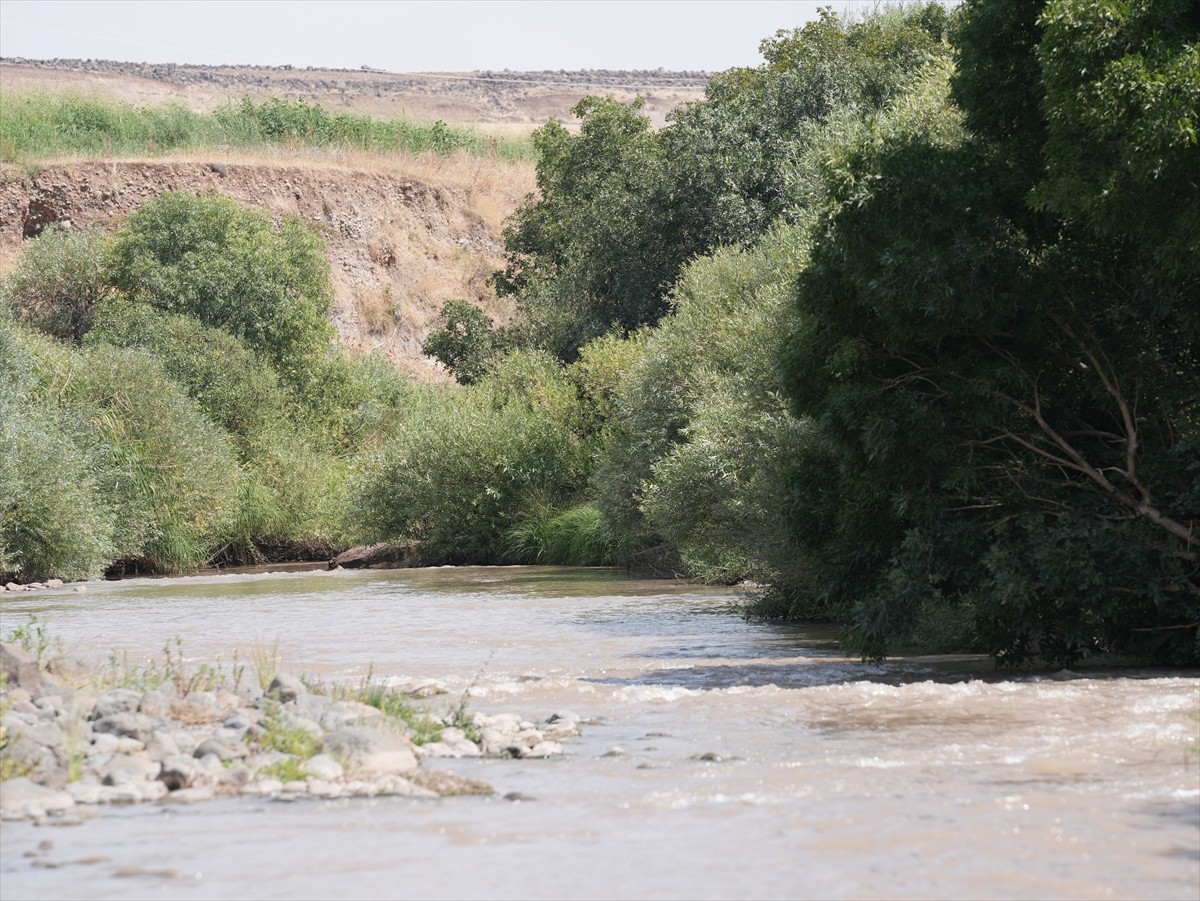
(372, 751)
(20, 669)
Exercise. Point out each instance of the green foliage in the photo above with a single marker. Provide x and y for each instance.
(60, 281)
(1122, 101)
(578, 536)
(53, 518)
(229, 267)
(458, 470)
(465, 343)
(276, 735)
(169, 476)
(699, 431)
(421, 726)
(66, 124)
(622, 208)
(1005, 419)
(581, 257)
(234, 387)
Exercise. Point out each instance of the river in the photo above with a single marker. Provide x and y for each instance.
(722, 758)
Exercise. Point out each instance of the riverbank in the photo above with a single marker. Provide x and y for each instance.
(73, 740)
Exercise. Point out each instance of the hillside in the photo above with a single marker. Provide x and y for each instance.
(494, 100)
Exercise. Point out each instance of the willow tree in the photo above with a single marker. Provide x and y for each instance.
(998, 344)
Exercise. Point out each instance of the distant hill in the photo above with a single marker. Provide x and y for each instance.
(501, 100)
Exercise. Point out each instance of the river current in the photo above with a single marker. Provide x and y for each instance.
(722, 758)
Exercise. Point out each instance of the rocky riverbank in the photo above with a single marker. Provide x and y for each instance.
(70, 741)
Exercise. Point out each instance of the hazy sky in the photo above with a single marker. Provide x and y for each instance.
(406, 35)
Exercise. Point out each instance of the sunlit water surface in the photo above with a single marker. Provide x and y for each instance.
(923, 778)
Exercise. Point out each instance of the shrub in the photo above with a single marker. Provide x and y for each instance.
(460, 469)
(229, 267)
(53, 518)
(577, 536)
(465, 343)
(169, 474)
(233, 387)
(60, 282)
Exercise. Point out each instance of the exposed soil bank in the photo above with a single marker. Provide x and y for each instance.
(399, 246)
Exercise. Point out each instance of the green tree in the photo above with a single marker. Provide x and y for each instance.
(1003, 394)
(465, 343)
(229, 267)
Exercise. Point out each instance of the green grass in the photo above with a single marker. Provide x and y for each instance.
(578, 536)
(276, 735)
(422, 727)
(39, 125)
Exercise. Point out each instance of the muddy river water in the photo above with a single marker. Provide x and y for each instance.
(723, 758)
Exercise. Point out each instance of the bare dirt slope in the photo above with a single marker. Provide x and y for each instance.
(500, 100)
(399, 245)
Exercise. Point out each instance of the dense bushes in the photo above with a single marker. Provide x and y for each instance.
(463, 468)
(206, 415)
(229, 267)
(61, 282)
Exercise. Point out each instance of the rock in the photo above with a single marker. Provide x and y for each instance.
(22, 798)
(542, 750)
(54, 583)
(284, 688)
(186, 741)
(37, 761)
(79, 588)
(302, 722)
(157, 702)
(161, 745)
(398, 785)
(374, 555)
(372, 751)
(18, 696)
(119, 700)
(124, 770)
(178, 772)
(222, 748)
(119, 794)
(201, 707)
(266, 759)
(192, 795)
(519, 796)
(85, 791)
(321, 788)
(323, 767)
(49, 705)
(235, 776)
(239, 723)
(448, 785)
(20, 669)
(263, 787)
(338, 716)
(103, 743)
(129, 725)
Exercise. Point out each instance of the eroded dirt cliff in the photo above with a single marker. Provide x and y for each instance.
(399, 244)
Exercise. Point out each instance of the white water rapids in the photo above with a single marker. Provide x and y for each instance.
(824, 777)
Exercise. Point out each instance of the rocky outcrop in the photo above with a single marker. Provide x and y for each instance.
(63, 749)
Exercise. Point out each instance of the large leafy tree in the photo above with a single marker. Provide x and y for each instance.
(1003, 371)
(621, 209)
